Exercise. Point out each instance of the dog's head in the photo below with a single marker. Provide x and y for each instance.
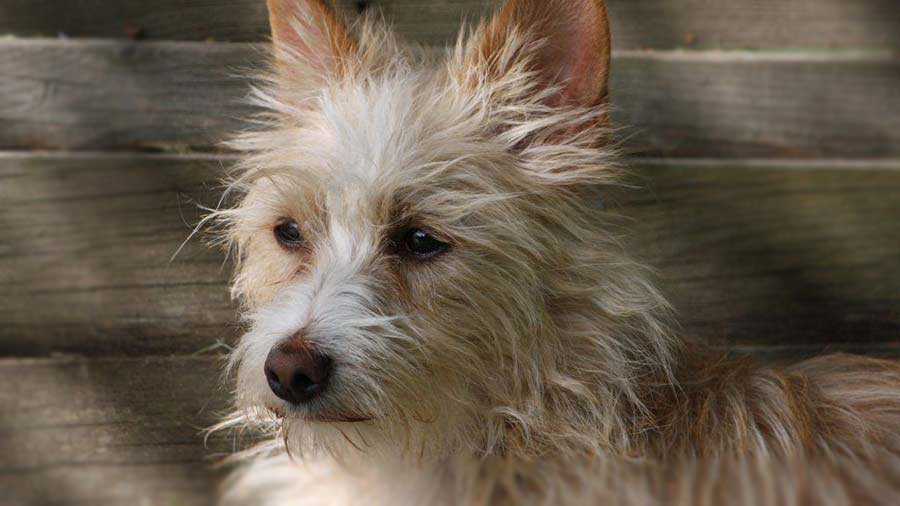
(420, 261)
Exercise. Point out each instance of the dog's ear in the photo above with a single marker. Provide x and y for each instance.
(572, 48)
(309, 31)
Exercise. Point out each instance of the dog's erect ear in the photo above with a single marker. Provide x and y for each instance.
(575, 51)
(310, 30)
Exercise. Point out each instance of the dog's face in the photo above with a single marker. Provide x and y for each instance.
(411, 237)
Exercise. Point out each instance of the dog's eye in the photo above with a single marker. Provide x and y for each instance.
(288, 234)
(423, 245)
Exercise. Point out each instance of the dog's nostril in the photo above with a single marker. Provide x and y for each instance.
(297, 373)
(305, 384)
(276, 386)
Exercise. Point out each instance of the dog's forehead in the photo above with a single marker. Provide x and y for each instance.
(387, 130)
(409, 146)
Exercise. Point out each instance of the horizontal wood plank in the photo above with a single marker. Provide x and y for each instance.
(125, 96)
(104, 432)
(186, 97)
(86, 256)
(758, 105)
(796, 254)
(775, 254)
(637, 24)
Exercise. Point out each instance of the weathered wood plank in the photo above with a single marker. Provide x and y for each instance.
(798, 254)
(184, 96)
(117, 431)
(785, 254)
(110, 95)
(84, 259)
(758, 105)
(658, 24)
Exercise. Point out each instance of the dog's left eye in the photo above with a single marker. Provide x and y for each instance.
(287, 233)
(422, 244)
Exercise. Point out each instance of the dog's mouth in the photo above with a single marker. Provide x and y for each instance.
(343, 419)
(282, 414)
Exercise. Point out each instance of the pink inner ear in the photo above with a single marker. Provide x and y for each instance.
(586, 71)
(309, 29)
(281, 12)
(576, 35)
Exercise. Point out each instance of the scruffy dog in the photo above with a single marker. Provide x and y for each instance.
(439, 315)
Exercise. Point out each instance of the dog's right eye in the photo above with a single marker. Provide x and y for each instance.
(287, 233)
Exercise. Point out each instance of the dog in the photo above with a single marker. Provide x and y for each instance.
(438, 312)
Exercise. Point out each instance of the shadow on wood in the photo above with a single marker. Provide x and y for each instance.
(107, 431)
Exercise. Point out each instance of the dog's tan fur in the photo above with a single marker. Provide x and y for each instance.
(532, 363)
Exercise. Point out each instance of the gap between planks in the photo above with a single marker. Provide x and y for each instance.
(833, 163)
(675, 54)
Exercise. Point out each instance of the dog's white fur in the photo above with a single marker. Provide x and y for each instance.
(530, 364)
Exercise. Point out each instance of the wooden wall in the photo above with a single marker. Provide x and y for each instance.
(766, 134)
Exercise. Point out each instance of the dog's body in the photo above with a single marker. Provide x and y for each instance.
(821, 433)
(439, 314)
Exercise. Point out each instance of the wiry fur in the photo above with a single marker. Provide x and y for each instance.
(532, 363)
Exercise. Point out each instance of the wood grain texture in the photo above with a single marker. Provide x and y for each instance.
(120, 95)
(758, 105)
(98, 432)
(637, 24)
(769, 255)
(185, 97)
(797, 255)
(85, 256)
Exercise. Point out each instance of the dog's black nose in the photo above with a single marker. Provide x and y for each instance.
(297, 372)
